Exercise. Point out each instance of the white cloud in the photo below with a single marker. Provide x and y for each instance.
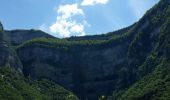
(93, 2)
(70, 20)
(61, 27)
(69, 10)
(77, 28)
(66, 25)
(66, 28)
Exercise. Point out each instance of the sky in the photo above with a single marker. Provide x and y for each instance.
(65, 18)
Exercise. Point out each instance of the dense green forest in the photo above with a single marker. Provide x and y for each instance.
(13, 86)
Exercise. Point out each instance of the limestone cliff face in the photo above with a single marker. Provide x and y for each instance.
(93, 72)
(8, 56)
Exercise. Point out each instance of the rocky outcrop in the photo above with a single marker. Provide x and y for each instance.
(8, 56)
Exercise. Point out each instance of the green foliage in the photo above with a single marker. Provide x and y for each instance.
(57, 43)
(103, 98)
(147, 74)
(155, 86)
(13, 86)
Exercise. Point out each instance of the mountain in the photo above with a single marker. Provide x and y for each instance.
(17, 37)
(129, 64)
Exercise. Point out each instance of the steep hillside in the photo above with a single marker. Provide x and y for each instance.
(156, 84)
(149, 59)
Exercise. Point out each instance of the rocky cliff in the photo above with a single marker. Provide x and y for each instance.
(83, 71)
(8, 56)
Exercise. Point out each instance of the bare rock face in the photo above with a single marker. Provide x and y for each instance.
(93, 72)
(8, 56)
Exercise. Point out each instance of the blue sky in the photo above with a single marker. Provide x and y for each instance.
(64, 18)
